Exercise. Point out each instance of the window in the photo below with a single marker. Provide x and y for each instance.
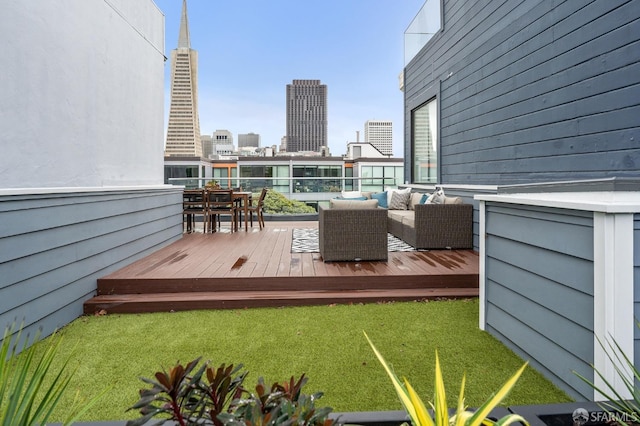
(380, 177)
(182, 172)
(424, 122)
(269, 175)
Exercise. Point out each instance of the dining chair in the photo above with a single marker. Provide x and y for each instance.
(257, 209)
(193, 203)
(220, 202)
(238, 201)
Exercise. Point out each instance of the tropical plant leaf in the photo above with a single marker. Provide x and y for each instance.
(25, 397)
(419, 415)
(482, 412)
(400, 389)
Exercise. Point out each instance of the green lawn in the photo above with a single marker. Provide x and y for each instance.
(326, 343)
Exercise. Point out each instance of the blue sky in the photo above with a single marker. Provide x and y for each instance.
(249, 50)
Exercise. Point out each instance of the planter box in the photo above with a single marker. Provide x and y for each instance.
(563, 414)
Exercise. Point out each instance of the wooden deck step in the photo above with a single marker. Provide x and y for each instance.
(168, 302)
(258, 269)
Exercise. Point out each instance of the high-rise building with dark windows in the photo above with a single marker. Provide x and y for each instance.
(306, 116)
(183, 130)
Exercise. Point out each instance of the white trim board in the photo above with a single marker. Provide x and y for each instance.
(613, 298)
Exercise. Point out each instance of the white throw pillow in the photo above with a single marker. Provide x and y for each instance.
(437, 197)
(351, 194)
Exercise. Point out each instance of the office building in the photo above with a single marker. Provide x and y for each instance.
(207, 145)
(379, 133)
(248, 140)
(183, 130)
(222, 137)
(306, 116)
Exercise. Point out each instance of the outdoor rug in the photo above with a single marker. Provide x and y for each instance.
(306, 241)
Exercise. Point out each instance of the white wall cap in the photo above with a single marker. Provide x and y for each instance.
(605, 202)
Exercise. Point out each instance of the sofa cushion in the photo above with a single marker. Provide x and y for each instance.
(399, 200)
(453, 200)
(416, 198)
(353, 204)
(400, 215)
(382, 199)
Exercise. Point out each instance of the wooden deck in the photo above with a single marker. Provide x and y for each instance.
(257, 269)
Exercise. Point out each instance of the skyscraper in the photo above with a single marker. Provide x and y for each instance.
(183, 132)
(306, 116)
(379, 133)
(248, 140)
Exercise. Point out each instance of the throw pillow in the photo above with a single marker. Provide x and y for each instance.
(399, 200)
(351, 194)
(437, 197)
(423, 199)
(390, 192)
(382, 199)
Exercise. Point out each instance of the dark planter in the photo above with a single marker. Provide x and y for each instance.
(536, 415)
(585, 413)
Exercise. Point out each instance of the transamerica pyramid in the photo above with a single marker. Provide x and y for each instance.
(183, 130)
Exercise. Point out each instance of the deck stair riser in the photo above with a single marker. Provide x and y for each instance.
(258, 269)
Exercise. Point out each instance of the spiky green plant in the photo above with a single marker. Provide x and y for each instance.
(30, 387)
(419, 414)
(627, 372)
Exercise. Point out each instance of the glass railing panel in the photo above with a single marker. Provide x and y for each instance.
(423, 26)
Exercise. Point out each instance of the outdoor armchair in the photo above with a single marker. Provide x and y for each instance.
(352, 234)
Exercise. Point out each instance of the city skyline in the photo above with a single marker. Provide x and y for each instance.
(248, 51)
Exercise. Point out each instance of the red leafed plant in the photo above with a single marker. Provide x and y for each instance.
(191, 395)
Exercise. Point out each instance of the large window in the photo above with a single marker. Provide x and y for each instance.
(317, 185)
(376, 178)
(424, 122)
(183, 173)
(268, 178)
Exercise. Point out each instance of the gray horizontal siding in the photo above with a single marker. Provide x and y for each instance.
(532, 91)
(54, 247)
(539, 288)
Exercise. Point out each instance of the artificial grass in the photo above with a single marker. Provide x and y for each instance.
(324, 342)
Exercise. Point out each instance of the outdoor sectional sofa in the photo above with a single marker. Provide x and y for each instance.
(434, 226)
(356, 229)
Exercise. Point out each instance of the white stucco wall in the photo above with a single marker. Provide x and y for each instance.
(82, 97)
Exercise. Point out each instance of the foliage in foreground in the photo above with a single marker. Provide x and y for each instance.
(207, 395)
(629, 375)
(276, 203)
(420, 416)
(30, 388)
